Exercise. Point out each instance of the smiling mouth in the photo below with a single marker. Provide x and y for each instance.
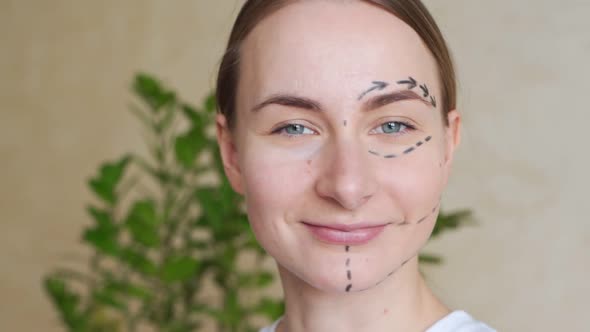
(341, 234)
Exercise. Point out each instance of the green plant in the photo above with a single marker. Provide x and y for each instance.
(152, 252)
(159, 232)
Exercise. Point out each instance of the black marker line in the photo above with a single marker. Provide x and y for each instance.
(421, 220)
(409, 150)
(344, 123)
(377, 85)
(347, 248)
(348, 287)
(417, 145)
(425, 90)
(389, 274)
(348, 275)
(411, 82)
(348, 262)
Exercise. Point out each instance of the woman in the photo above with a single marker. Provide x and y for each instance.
(338, 124)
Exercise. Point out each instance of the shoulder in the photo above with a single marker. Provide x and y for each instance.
(456, 321)
(459, 321)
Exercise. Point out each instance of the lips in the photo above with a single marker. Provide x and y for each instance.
(345, 234)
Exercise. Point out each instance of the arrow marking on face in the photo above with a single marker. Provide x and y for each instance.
(377, 85)
(411, 82)
(425, 90)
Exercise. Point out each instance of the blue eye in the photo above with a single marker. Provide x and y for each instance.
(393, 127)
(294, 129)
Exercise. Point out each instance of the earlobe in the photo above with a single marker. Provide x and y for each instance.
(229, 153)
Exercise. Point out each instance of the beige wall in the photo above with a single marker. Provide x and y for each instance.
(65, 67)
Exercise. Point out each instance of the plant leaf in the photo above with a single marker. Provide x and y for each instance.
(187, 146)
(196, 119)
(180, 268)
(105, 183)
(110, 299)
(257, 280)
(138, 261)
(142, 223)
(211, 103)
(127, 288)
(429, 259)
(152, 92)
(451, 221)
(103, 236)
(66, 301)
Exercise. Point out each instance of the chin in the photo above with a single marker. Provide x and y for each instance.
(335, 277)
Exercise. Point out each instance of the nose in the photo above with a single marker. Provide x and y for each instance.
(347, 177)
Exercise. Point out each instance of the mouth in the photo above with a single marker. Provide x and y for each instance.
(345, 234)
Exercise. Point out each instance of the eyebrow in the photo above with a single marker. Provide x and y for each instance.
(311, 105)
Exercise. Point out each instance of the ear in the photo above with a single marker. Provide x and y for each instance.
(452, 141)
(229, 153)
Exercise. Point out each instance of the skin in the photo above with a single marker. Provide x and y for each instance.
(331, 52)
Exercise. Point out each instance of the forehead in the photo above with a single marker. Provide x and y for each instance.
(330, 49)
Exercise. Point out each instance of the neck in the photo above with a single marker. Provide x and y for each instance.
(402, 302)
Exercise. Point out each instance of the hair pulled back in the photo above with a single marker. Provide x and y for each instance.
(412, 12)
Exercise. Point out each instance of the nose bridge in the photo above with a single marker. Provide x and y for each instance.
(347, 176)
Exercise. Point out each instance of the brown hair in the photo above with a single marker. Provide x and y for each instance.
(412, 12)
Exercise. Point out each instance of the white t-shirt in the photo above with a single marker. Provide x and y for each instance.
(456, 321)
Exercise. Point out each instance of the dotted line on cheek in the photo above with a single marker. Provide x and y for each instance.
(389, 274)
(408, 150)
(347, 249)
(403, 223)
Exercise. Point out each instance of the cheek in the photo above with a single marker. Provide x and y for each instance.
(414, 183)
(273, 179)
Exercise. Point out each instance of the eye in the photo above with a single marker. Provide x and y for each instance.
(393, 127)
(294, 129)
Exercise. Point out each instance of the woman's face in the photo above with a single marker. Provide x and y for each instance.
(339, 148)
